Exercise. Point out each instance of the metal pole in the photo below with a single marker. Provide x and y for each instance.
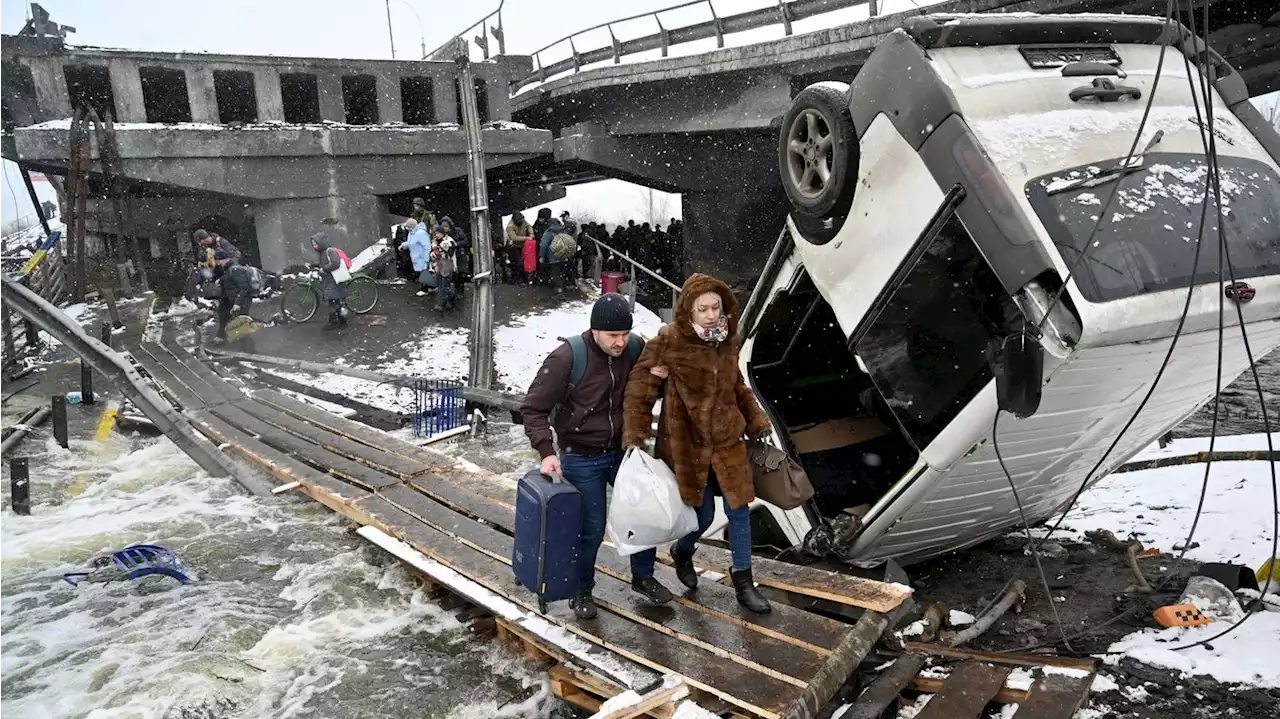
(35, 201)
(86, 382)
(391, 36)
(60, 420)
(19, 485)
(481, 370)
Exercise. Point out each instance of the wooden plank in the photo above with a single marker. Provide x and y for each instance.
(773, 658)
(933, 685)
(340, 425)
(820, 583)
(794, 626)
(843, 662)
(1021, 660)
(885, 688)
(1055, 696)
(178, 392)
(374, 457)
(207, 394)
(304, 450)
(198, 368)
(732, 682)
(321, 487)
(967, 691)
(633, 705)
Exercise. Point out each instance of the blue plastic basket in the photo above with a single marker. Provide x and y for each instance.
(438, 406)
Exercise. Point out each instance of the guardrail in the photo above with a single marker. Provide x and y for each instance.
(122, 374)
(784, 13)
(446, 49)
(635, 265)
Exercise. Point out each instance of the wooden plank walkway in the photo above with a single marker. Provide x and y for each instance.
(975, 681)
(783, 664)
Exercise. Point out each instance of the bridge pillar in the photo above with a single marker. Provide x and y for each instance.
(352, 222)
(728, 233)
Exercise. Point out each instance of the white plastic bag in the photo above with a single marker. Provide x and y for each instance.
(646, 510)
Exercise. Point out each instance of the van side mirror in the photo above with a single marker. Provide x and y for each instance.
(1017, 363)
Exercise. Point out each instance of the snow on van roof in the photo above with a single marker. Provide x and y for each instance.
(1010, 139)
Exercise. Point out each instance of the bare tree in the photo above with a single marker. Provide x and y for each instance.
(654, 206)
(584, 215)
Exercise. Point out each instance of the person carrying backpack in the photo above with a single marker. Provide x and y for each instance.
(579, 393)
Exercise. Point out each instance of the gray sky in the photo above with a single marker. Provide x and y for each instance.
(358, 29)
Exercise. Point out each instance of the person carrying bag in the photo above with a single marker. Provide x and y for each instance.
(707, 409)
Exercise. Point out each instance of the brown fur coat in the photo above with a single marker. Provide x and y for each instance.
(707, 406)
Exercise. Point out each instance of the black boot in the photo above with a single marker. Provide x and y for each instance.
(685, 572)
(748, 596)
(584, 606)
(653, 590)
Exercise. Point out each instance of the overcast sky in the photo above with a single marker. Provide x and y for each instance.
(358, 29)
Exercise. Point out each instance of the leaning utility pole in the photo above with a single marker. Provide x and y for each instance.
(481, 375)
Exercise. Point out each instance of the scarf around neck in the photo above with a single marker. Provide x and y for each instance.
(717, 333)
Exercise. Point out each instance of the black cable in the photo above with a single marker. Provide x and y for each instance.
(1177, 332)
(1115, 189)
(1211, 151)
(1213, 181)
(1026, 526)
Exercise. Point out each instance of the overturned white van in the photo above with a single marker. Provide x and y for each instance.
(942, 201)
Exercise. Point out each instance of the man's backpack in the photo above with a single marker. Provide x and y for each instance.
(578, 345)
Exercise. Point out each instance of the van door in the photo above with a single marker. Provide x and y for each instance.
(893, 204)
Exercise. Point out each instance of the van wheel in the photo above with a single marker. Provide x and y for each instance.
(818, 158)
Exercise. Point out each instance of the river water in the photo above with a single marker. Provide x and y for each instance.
(290, 614)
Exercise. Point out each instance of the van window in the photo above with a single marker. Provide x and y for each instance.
(1147, 244)
(926, 349)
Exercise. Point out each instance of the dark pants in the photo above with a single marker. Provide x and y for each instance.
(591, 475)
(515, 264)
(739, 525)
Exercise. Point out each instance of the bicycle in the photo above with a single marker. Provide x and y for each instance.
(300, 302)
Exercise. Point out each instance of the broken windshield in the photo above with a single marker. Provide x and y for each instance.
(1147, 243)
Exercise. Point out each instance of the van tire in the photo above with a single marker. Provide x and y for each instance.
(819, 115)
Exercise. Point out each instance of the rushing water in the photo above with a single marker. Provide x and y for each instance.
(290, 614)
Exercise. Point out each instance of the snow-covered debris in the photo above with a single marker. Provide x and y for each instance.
(1236, 657)
(957, 618)
(368, 254)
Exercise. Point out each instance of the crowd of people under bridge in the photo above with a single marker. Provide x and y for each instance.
(553, 251)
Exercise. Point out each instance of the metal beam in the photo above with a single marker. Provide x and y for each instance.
(112, 366)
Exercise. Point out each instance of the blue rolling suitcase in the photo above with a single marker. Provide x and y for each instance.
(548, 535)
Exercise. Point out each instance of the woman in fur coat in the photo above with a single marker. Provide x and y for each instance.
(707, 410)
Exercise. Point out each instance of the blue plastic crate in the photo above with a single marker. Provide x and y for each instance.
(438, 406)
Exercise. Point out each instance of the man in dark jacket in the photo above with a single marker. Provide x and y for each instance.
(335, 293)
(588, 427)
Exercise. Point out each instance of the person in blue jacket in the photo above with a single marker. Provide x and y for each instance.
(419, 244)
(547, 260)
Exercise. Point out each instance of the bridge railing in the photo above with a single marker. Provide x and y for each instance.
(784, 13)
(489, 24)
(602, 248)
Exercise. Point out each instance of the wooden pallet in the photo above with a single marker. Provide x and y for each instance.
(786, 663)
(962, 684)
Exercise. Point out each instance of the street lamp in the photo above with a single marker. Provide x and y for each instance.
(422, 38)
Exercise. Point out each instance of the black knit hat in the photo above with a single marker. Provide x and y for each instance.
(611, 313)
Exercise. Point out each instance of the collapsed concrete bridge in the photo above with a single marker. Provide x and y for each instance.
(267, 149)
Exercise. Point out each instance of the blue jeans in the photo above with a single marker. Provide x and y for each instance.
(590, 475)
(739, 525)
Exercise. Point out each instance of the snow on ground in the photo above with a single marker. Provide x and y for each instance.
(1236, 525)
(522, 344)
(443, 352)
(1158, 505)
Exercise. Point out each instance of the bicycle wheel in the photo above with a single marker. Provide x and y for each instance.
(362, 294)
(299, 303)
